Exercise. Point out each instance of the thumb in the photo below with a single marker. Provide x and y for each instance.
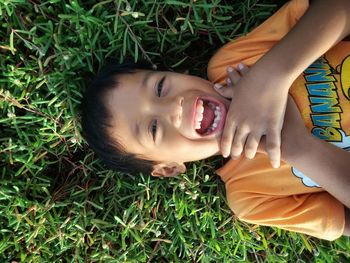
(225, 91)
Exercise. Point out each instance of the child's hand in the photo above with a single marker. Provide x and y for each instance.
(256, 110)
(234, 76)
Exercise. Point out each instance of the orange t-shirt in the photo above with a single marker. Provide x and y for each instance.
(285, 197)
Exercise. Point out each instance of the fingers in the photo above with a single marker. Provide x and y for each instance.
(233, 75)
(237, 136)
(251, 146)
(244, 128)
(242, 68)
(238, 143)
(273, 147)
(223, 91)
(227, 137)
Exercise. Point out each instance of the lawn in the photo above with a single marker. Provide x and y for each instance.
(57, 201)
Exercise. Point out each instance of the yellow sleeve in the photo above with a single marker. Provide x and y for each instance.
(250, 48)
(260, 194)
(315, 214)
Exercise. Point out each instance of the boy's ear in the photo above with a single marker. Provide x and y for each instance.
(168, 169)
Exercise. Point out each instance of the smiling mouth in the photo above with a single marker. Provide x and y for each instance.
(209, 116)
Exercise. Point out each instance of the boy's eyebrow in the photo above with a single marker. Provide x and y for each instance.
(138, 134)
(146, 78)
(143, 84)
(144, 81)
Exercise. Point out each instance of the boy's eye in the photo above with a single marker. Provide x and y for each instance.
(160, 87)
(154, 129)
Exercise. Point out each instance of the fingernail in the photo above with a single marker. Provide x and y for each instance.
(229, 69)
(217, 86)
(275, 165)
(249, 156)
(240, 66)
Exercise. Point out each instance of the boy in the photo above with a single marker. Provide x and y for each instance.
(150, 121)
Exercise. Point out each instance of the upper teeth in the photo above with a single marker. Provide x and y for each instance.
(199, 115)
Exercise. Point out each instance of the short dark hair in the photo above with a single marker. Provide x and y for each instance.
(96, 120)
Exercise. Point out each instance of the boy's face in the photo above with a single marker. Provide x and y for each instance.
(166, 117)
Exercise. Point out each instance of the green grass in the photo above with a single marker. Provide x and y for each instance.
(57, 202)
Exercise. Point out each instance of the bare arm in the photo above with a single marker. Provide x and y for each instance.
(323, 25)
(323, 162)
(326, 164)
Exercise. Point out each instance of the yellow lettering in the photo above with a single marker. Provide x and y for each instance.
(345, 77)
(328, 134)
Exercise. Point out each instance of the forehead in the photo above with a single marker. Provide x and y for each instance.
(128, 87)
(133, 80)
(122, 103)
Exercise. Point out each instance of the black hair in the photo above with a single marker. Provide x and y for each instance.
(96, 120)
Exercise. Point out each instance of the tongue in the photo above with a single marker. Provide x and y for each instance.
(208, 118)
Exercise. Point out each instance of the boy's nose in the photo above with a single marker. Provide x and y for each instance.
(176, 111)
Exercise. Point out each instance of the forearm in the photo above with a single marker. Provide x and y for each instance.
(323, 25)
(324, 163)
